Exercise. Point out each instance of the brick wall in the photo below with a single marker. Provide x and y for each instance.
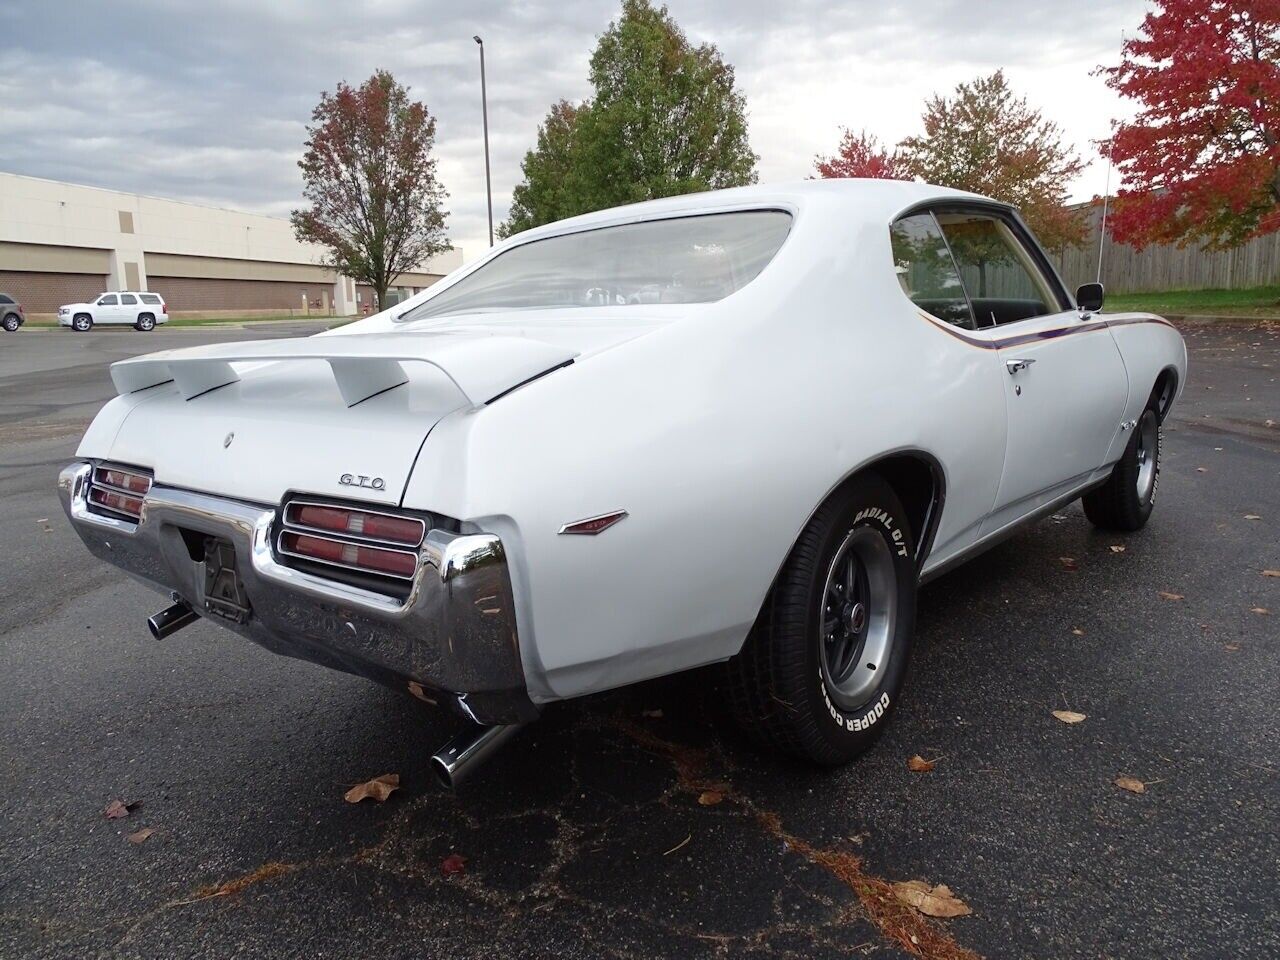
(45, 292)
(185, 294)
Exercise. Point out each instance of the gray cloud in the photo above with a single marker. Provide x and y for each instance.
(208, 101)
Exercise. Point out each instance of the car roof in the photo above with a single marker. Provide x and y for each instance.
(870, 200)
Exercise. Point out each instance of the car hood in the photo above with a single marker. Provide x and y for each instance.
(341, 414)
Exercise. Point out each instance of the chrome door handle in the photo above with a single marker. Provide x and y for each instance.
(1013, 366)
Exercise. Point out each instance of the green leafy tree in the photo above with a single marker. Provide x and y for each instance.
(665, 119)
(369, 176)
(988, 140)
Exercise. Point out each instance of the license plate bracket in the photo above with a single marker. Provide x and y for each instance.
(224, 595)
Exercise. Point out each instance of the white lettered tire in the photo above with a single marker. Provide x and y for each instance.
(824, 665)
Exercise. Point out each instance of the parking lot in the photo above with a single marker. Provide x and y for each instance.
(639, 824)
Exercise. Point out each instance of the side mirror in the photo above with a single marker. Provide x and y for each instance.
(1089, 297)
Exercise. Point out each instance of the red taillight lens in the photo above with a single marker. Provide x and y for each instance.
(357, 523)
(357, 556)
(122, 480)
(164, 307)
(119, 502)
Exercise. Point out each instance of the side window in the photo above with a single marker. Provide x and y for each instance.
(149, 298)
(5, 298)
(128, 299)
(926, 271)
(1003, 281)
(109, 300)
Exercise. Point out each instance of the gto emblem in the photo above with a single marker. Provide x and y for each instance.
(359, 480)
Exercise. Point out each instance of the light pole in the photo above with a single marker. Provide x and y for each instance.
(484, 106)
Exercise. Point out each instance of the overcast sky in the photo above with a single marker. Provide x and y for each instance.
(207, 101)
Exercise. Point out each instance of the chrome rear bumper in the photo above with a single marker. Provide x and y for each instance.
(453, 639)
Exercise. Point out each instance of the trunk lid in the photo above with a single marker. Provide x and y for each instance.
(341, 415)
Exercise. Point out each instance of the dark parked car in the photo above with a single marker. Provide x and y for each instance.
(12, 315)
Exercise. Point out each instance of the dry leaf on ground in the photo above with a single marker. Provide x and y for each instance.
(140, 836)
(454, 863)
(417, 690)
(1231, 647)
(1271, 573)
(1069, 563)
(1132, 784)
(1077, 631)
(652, 714)
(1068, 716)
(1171, 596)
(1116, 548)
(1259, 610)
(1252, 516)
(936, 901)
(709, 798)
(919, 764)
(379, 788)
(118, 809)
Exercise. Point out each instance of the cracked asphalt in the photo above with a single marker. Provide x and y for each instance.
(585, 837)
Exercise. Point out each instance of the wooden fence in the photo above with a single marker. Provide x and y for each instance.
(1156, 269)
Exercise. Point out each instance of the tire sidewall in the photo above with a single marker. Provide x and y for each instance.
(11, 323)
(146, 323)
(81, 324)
(849, 731)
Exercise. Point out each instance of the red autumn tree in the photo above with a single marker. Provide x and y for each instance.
(861, 155)
(370, 177)
(1201, 160)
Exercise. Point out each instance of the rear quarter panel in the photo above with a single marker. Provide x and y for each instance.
(720, 435)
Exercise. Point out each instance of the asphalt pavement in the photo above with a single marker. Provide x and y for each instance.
(639, 824)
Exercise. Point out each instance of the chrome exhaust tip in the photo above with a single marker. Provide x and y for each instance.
(464, 754)
(171, 619)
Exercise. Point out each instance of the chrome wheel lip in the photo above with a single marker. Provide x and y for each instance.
(854, 660)
(1148, 451)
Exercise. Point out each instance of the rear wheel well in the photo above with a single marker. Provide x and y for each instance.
(917, 479)
(1164, 391)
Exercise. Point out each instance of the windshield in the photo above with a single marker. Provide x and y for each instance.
(679, 260)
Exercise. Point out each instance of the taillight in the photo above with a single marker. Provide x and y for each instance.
(365, 541)
(118, 491)
(164, 307)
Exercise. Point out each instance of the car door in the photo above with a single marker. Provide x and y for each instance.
(128, 308)
(107, 309)
(1064, 379)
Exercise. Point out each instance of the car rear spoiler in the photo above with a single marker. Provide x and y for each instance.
(481, 367)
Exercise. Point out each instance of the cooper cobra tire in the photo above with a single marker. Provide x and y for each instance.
(823, 667)
(1125, 501)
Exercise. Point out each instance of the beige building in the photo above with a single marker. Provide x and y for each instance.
(63, 243)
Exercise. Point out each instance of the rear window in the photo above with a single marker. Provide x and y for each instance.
(149, 298)
(678, 260)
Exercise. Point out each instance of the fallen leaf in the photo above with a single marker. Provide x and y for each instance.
(709, 798)
(1077, 631)
(379, 788)
(140, 836)
(1261, 610)
(453, 864)
(1132, 784)
(1171, 596)
(936, 901)
(1252, 516)
(1068, 716)
(919, 764)
(652, 714)
(1271, 573)
(1069, 563)
(1116, 548)
(1201, 470)
(1231, 647)
(118, 809)
(416, 690)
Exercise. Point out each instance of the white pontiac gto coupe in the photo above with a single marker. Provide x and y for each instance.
(737, 427)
